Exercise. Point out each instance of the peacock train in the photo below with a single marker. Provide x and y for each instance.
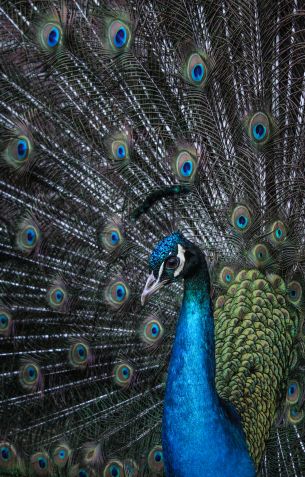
(152, 250)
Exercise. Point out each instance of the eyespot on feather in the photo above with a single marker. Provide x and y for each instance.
(155, 459)
(19, 151)
(57, 296)
(278, 232)
(81, 471)
(61, 455)
(294, 391)
(295, 292)
(123, 374)
(28, 236)
(197, 69)
(40, 464)
(117, 293)
(259, 128)
(120, 150)
(30, 376)
(8, 455)
(6, 322)
(241, 218)
(51, 36)
(185, 166)
(79, 354)
(226, 276)
(295, 415)
(151, 331)
(260, 255)
(114, 468)
(119, 35)
(220, 302)
(111, 236)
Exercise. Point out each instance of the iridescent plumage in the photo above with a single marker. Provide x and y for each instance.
(122, 122)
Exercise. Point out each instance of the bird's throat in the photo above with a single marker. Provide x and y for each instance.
(196, 435)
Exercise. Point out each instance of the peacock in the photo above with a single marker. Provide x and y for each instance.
(152, 213)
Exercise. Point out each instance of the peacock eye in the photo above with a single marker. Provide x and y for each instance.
(295, 414)
(119, 35)
(119, 150)
(241, 218)
(7, 455)
(260, 251)
(29, 376)
(198, 72)
(111, 236)
(226, 276)
(82, 473)
(22, 149)
(32, 373)
(196, 69)
(40, 464)
(158, 456)
(172, 262)
(278, 232)
(151, 331)
(123, 374)
(187, 168)
(260, 255)
(5, 322)
(294, 392)
(61, 455)
(18, 151)
(114, 468)
(28, 237)
(54, 37)
(259, 131)
(259, 128)
(79, 355)
(155, 459)
(114, 238)
(185, 165)
(56, 297)
(117, 293)
(294, 292)
(51, 36)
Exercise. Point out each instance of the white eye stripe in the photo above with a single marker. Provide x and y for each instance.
(181, 256)
(160, 271)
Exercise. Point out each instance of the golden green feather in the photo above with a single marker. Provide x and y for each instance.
(254, 331)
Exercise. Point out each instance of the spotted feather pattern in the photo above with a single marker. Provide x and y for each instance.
(103, 103)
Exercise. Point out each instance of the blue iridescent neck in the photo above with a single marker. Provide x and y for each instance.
(201, 435)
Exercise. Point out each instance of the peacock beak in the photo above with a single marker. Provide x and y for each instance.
(152, 285)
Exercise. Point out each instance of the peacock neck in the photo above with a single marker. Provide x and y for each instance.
(197, 432)
(195, 337)
(196, 319)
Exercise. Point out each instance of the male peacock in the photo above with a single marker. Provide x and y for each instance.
(193, 415)
(122, 122)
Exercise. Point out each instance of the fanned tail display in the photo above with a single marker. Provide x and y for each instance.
(121, 123)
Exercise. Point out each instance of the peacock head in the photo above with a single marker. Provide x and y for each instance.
(173, 258)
